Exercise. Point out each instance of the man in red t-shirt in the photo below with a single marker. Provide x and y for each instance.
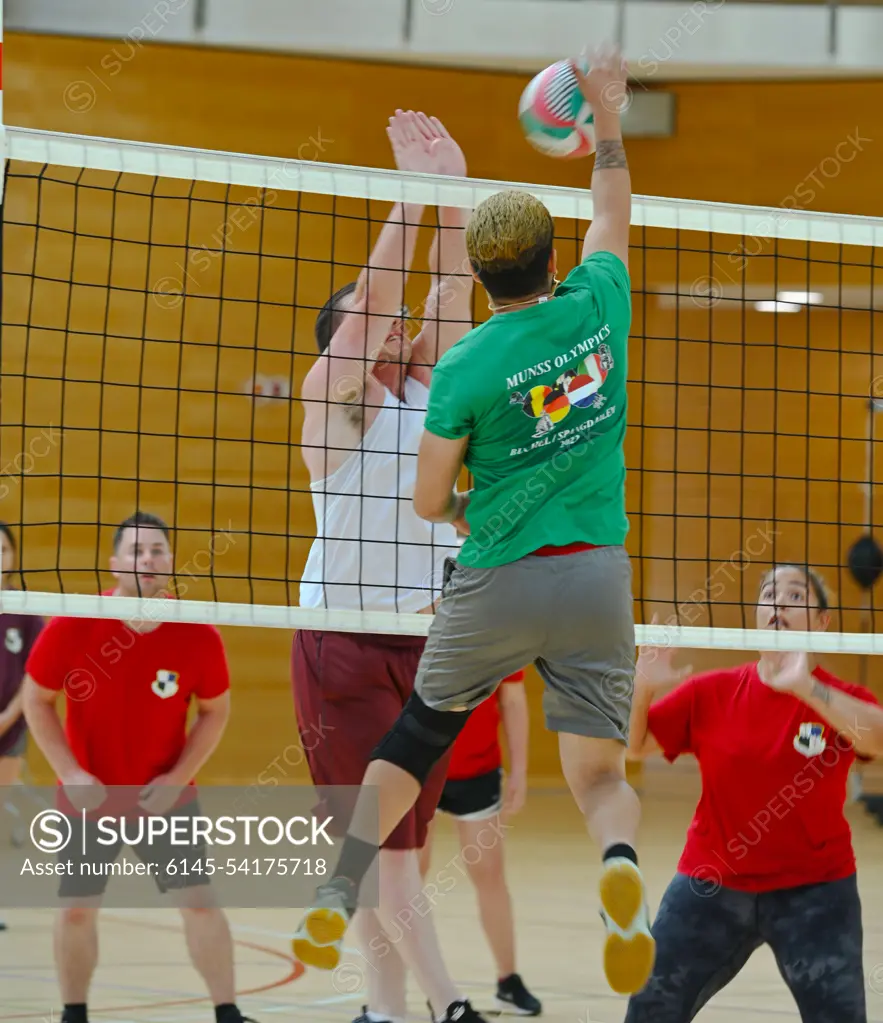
(769, 857)
(473, 795)
(128, 688)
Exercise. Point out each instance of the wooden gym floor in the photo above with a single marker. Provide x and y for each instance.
(145, 976)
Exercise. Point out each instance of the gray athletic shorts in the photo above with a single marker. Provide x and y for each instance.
(570, 614)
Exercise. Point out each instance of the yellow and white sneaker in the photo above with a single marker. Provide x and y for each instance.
(630, 951)
(318, 941)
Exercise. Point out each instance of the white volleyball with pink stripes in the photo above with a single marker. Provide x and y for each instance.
(555, 118)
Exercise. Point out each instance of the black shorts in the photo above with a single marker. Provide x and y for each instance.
(171, 866)
(473, 799)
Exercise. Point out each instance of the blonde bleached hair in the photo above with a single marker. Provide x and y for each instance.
(509, 240)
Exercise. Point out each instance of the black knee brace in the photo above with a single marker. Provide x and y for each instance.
(420, 737)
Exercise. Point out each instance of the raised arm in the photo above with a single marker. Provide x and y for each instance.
(447, 314)
(340, 375)
(655, 676)
(604, 88)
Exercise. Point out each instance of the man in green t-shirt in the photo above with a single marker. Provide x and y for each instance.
(533, 404)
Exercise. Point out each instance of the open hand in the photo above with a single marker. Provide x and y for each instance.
(423, 144)
(654, 668)
(604, 85)
(789, 672)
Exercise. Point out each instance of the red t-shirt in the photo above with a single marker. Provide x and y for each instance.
(774, 777)
(127, 695)
(477, 748)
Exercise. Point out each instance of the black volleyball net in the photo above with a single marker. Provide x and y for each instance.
(158, 314)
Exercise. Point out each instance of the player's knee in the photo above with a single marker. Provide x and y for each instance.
(78, 916)
(420, 737)
(198, 903)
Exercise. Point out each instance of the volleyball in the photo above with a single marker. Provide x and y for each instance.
(554, 116)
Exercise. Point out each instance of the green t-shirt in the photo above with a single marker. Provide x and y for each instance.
(541, 392)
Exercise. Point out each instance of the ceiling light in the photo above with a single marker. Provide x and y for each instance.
(803, 297)
(777, 307)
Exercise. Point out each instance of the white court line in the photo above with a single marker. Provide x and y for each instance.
(267, 932)
(337, 999)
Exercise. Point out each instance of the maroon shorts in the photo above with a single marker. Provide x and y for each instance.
(349, 689)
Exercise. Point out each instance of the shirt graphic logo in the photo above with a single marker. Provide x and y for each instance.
(13, 641)
(810, 739)
(576, 388)
(165, 684)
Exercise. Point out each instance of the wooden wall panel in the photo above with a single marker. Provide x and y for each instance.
(743, 425)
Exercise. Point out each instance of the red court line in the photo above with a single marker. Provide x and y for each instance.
(297, 970)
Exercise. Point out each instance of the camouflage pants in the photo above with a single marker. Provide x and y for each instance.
(705, 934)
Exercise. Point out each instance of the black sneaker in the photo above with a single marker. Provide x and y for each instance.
(513, 996)
(237, 1017)
(462, 1012)
(364, 1017)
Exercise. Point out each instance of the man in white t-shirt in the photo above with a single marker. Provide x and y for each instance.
(365, 403)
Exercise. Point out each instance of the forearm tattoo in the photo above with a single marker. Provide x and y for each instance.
(610, 153)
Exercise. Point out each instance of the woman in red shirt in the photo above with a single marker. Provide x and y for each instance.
(769, 857)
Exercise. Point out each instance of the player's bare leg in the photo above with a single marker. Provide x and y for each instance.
(425, 854)
(401, 888)
(495, 906)
(402, 912)
(380, 968)
(389, 792)
(210, 945)
(76, 953)
(488, 876)
(595, 772)
(396, 792)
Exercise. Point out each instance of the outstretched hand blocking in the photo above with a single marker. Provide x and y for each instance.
(788, 672)
(604, 85)
(655, 670)
(423, 144)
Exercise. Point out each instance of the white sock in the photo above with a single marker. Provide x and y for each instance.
(376, 1017)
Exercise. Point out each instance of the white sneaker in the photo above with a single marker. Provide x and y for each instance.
(318, 941)
(630, 951)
